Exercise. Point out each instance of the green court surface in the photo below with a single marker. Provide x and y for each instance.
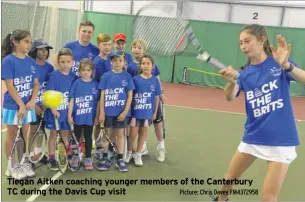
(200, 144)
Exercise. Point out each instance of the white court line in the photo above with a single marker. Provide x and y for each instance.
(214, 110)
(44, 187)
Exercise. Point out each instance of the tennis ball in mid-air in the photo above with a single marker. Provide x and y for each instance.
(52, 99)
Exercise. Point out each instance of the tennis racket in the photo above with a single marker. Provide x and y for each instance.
(60, 150)
(75, 156)
(17, 154)
(163, 118)
(99, 144)
(167, 33)
(38, 143)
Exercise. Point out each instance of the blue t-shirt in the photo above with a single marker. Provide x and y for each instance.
(133, 67)
(23, 74)
(128, 57)
(43, 73)
(144, 95)
(270, 118)
(62, 83)
(80, 52)
(86, 96)
(101, 66)
(116, 87)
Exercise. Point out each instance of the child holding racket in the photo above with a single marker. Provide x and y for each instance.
(144, 107)
(271, 132)
(102, 62)
(82, 107)
(116, 97)
(120, 40)
(60, 80)
(19, 74)
(40, 52)
(138, 49)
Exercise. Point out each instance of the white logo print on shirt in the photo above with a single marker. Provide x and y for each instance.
(260, 99)
(276, 71)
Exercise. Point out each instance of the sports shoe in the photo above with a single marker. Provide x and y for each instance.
(52, 164)
(128, 156)
(216, 198)
(27, 169)
(121, 165)
(161, 153)
(16, 172)
(104, 164)
(137, 159)
(144, 149)
(74, 162)
(88, 164)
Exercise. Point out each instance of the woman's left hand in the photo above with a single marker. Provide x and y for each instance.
(281, 54)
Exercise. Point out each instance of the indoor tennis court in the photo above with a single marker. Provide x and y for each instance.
(203, 130)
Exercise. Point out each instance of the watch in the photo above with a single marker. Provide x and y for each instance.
(291, 66)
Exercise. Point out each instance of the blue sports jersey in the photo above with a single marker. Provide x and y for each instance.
(43, 73)
(133, 67)
(144, 95)
(62, 83)
(116, 87)
(23, 74)
(270, 118)
(86, 96)
(101, 66)
(128, 57)
(80, 52)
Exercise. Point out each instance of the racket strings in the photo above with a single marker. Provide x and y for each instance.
(162, 34)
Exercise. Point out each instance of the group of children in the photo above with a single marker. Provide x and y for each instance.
(100, 86)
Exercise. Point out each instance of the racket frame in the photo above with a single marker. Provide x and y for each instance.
(59, 140)
(40, 128)
(18, 137)
(73, 138)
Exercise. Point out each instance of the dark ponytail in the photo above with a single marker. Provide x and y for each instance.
(7, 43)
(260, 33)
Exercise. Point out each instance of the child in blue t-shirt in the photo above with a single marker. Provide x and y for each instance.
(83, 104)
(40, 52)
(60, 80)
(144, 107)
(18, 72)
(116, 97)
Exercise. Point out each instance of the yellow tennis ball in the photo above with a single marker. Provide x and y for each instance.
(52, 99)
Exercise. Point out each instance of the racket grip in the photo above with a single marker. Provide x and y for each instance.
(56, 124)
(216, 63)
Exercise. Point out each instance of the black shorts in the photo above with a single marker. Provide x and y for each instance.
(36, 123)
(159, 117)
(113, 122)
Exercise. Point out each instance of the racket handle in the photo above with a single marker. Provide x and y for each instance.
(56, 124)
(72, 127)
(20, 119)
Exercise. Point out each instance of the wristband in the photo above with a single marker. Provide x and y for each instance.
(291, 67)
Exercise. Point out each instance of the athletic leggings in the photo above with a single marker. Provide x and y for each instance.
(87, 135)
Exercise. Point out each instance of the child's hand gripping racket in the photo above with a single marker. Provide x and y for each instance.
(167, 33)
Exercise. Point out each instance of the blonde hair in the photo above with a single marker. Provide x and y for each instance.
(140, 42)
(64, 51)
(103, 38)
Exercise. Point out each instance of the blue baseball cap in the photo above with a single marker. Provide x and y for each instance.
(39, 43)
(116, 54)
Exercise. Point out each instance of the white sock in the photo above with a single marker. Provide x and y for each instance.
(161, 144)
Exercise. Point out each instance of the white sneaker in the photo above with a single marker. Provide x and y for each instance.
(16, 173)
(128, 156)
(27, 169)
(137, 159)
(161, 153)
(144, 150)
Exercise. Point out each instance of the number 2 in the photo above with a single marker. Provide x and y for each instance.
(255, 16)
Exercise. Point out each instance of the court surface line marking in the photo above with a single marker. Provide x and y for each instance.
(44, 187)
(214, 110)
